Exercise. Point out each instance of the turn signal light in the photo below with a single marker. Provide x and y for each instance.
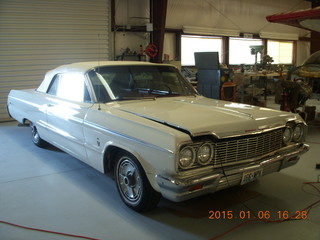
(196, 187)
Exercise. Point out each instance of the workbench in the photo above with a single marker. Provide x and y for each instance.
(263, 78)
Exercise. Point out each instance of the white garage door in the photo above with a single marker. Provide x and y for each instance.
(39, 35)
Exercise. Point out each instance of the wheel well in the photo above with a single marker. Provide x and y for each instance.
(8, 112)
(26, 122)
(109, 159)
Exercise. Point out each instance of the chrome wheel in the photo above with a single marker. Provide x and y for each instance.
(133, 185)
(129, 180)
(36, 139)
(34, 133)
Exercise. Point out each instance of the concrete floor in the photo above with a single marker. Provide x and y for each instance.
(48, 189)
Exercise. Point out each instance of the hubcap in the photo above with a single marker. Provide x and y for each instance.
(34, 133)
(129, 180)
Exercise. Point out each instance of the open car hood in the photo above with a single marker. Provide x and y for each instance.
(310, 67)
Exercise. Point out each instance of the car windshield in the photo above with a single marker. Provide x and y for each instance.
(138, 82)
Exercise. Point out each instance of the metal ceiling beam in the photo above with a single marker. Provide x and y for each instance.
(158, 14)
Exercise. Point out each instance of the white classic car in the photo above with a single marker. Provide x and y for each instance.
(149, 127)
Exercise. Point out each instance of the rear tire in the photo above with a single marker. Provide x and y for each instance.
(133, 185)
(36, 139)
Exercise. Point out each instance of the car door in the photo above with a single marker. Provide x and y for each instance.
(69, 101)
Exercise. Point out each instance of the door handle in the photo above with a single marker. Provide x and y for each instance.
(50, 105)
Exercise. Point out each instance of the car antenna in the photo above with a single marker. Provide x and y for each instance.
(99, 58)
(99, 50)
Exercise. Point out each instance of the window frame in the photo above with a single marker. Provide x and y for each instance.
(294, 50)
(242, 38)
(225, 55)
(221, 52)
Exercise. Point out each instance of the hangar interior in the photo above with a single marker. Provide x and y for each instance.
(47, 194)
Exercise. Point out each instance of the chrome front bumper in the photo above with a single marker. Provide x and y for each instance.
(186, 186)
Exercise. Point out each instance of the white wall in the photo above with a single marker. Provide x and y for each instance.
(303, 52)
(169, 46)
(131, 13)
(130, 40)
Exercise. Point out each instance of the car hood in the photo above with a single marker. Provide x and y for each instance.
(200, 116)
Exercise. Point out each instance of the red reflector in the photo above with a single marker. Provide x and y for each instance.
(293, 159)
(196, 187)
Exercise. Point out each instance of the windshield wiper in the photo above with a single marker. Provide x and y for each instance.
(120, 98)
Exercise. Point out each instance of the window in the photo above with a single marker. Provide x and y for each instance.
(240, 51)
(53, 88)
(191, 44)
(281, 51)
(70, 86)
(137, 82)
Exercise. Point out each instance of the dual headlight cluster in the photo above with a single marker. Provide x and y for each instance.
(293, 133)
(201, 154)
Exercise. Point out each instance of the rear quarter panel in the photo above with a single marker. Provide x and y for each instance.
(29, 105)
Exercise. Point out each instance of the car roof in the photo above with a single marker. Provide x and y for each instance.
(83, 67)
(86, 66)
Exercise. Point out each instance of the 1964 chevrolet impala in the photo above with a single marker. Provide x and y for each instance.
(146, 124)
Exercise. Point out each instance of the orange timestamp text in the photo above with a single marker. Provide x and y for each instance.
(262, 215)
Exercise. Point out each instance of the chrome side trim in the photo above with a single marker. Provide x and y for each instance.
(104, 129)
(26, 102)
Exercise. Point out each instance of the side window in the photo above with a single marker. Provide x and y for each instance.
(70, 86)
(53, 87)
(86, 96)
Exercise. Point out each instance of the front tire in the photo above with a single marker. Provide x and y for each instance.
(133, 185)
(36, 139)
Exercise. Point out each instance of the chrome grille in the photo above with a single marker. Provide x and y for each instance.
(246, 148)
(239, 149)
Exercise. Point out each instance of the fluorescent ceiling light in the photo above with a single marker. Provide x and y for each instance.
(279, 36)
(210, 31)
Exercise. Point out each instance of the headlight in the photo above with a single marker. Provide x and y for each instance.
(205, 153)
(287, 135)
(297, 133)
(186, 158)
